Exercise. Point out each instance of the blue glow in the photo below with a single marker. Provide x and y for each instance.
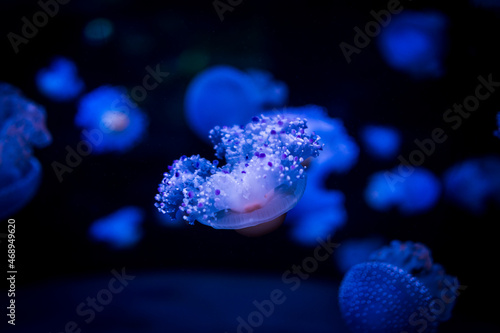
(381, 141)
(223, 95)
(121, 229)
(416, 43)
(263, 177)
(474, 184)
(497, 132)
(113, 118)
(417, 193)
(98, 31)
(393, 287)
(355, 251)
(22, 127)
(59, 81)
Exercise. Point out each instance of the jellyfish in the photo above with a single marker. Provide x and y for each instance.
(120, 229)
(59, 81)
(474, 183)
(22, 127)
(224, 95)
(321, 210)
(355, 251)
(416, 193)
(381, 142)
(262, 179)
(98, 31)
(416, 43)
(398, 289)
(109, 110)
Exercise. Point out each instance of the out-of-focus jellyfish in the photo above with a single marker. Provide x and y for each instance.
(321, 211)
(415, 193)
(416, 43)
(121, 229)
(22, 127)
(222, 95)
(59, 81)
(381, 141)
(399, 289)
(263, 177)
(98, 31)
(473, 184)
(355, 251)
(109, 110)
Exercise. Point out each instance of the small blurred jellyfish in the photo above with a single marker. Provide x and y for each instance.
(398, 289)
(474, 184)
(416, 43)
(321, 211)
(354, 251)
(59, 81)
(414, 194)
(263, 177)
(222, 95)
(109, 111)
(380, 141)
(98, 31)
(22, 127)
(121, 229)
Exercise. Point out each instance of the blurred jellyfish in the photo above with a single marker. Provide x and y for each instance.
(120, 122)
(98, 31)
(59, 81)
(380, 141)
(417, 193)
(224, 96)
(263, 177)
(321, 211)
(22, 127)
(474, 184)
(399, 289)
(416, 43)
(121, 229)
(355, 251)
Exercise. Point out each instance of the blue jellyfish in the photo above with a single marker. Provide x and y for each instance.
(98, 31)
(398, 289)
(262, 178)
(416, 43)
(355, 251)
(109, 110)
(223, 95)
(381, 142)
(321, 210)
(59, 81)
(121, 229)
(473, 184)
(22, 127)
(416, 193)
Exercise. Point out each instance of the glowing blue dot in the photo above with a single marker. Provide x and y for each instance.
(120, 229)
(381, 141)
(98, 31)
